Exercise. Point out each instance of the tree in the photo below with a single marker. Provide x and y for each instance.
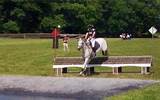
(108, 16)
(11, 26)
(48, 23)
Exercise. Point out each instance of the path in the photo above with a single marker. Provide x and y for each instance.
(61, 88)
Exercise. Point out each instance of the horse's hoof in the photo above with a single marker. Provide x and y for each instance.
(81, 73)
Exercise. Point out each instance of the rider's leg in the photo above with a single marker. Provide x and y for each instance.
(93, 44)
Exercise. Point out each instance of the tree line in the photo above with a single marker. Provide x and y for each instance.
(110, 17)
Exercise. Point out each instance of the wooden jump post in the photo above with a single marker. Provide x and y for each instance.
(115, 62)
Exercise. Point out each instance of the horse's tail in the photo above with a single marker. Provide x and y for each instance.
(104, 48)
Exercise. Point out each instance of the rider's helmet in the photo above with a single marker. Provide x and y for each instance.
(89, 28)
(92, 28)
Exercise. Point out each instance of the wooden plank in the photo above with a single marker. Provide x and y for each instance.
(116, 62)
(105, 60)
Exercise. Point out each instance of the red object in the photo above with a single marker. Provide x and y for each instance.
(55, 32)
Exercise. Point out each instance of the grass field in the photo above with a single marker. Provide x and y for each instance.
(35, 57)
(147, 93)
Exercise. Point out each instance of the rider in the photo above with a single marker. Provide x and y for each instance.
(90, 36)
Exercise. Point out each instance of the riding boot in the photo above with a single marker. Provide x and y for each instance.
(94, 50)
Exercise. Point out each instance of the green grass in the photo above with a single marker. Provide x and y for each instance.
(147, 93)
(30, 56)
(35, 56)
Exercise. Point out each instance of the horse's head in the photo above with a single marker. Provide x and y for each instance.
(82, 43)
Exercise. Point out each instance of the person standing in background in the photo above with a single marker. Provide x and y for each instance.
(55, 36)
(65, 43)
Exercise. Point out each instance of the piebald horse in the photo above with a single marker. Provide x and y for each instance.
(87, 51)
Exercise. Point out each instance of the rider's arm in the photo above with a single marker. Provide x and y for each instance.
(86, 36)
(93, 35)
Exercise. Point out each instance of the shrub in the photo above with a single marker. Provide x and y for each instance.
(10, 26)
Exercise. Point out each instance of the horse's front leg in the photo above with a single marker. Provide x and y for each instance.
(84, 66)
(85, 63)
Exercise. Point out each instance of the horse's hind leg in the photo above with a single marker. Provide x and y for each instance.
(105, 53)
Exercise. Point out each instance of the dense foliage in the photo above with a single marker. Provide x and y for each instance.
(108, 16)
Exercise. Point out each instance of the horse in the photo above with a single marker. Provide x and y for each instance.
(87, 51)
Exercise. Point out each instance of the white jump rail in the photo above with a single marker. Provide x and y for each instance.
(113, 62)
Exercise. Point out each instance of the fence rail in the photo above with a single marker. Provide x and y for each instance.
(34, 35)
